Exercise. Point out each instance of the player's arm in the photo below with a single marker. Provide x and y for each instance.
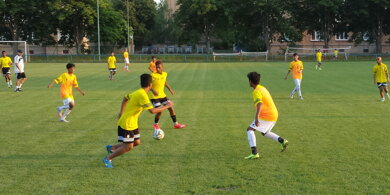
(154, 92)
(123, 106)
(51, 84)
(258, 108)
(169, 88)
(82, 92)
(288, 72)
(162, 108)
(17, 65)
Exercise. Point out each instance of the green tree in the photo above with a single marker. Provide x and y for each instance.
(368, 18)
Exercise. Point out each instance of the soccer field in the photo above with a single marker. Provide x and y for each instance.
(338, 134)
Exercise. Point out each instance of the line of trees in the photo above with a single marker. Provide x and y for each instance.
(253, 24)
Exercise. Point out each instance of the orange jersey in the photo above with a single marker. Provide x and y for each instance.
(68, 81)
(152, 66)
(296, 68)
(268, 111)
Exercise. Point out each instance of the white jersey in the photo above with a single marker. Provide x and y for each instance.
(20, 61)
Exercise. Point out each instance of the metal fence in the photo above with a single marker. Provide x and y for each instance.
(188, 58)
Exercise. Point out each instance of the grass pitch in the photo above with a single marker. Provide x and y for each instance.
(338, 135)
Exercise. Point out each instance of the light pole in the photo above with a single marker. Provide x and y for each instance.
(128, 26)
(98, 23)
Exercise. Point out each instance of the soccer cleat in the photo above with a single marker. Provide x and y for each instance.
(108, 148)
(17, 90)
(382, 99)
(64, 120)
(300, 97)
(179, 126)
(107, 163)
(156, 126)
(319, 68)
(284, 145)
(253, 156)
(291, 96)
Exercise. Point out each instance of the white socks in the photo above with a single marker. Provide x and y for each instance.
(66, 113)
(273, 136)
(251, 138)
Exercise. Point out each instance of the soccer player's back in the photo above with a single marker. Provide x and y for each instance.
(319, 59)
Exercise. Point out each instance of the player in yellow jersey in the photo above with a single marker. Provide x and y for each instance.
(68, 80)
(319, 59)
(111, 64)
(5, 63)
(381, 78)
(335, 54)
(126, 60)
(152, 64)
(265, 117)
(132, 106)
(159, 82)
(296, 67)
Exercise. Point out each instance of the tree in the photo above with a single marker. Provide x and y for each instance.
(317, 15)
(199, 17)
(369, 19)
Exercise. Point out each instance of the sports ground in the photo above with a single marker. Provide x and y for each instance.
(338, 134)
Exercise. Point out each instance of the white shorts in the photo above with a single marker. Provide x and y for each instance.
(127, 61)
(264, 126)
(67, 101)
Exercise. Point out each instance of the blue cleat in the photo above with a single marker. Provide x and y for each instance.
(107, 163)
(108, 148)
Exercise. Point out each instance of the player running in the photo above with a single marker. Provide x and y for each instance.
(111, 64)
(67, 81)
(381, 78)
(265, 118)
(127, 61)
(159, 81)
(152, 64)
(296, 67)
(132, 106)
(319, 59)
(6, 63)
(19, 71)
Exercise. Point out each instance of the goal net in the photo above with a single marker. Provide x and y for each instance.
(8, 46)
(342, 51)
(242, 55)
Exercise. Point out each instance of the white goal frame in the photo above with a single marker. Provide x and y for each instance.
(312, 51)
(25, 47)
(243, 53)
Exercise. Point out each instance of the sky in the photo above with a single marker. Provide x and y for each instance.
(157, 1)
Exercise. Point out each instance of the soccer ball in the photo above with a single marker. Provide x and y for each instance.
(158, 134)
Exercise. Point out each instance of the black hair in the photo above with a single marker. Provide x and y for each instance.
(146, 80)
(3, 52)
(70, 65)
(254, 77)
(153, 57)
(159, 62)
(295, 54)
(20, 51)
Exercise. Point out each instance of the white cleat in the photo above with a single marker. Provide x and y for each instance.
(64, 120)
(382, 100)
(291, 96)
(301, 98)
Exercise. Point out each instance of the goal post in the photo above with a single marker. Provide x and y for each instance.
(23, 43)
(311, 51)
(242, 54)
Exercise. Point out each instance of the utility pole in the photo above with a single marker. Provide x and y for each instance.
(98, 23)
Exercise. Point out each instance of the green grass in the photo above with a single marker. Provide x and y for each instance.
(338, 135)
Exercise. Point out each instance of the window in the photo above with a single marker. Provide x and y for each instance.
(365, 51)
(366, 37)
(316, 36)
(65, 51)
(342, 36)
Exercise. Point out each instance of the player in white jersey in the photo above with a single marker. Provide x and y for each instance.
(19, 71)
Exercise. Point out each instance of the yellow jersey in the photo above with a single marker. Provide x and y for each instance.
(380, 72)
(158, 85)
(67, 81)
(125, 54)
(336, 53)
(111, 62)
(5, 62)
(319, 56)
(268, 110)
(137, 102)
(152, 66)
(296, 68)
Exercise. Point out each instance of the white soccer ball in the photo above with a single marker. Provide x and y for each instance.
(158, 134)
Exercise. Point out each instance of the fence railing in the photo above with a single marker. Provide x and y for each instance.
(188, 58)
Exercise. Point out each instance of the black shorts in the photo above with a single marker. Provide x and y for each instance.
(158, 102)
(6, 71)
(381, 84)
(127, 136)
(112, 69)
(20, 75)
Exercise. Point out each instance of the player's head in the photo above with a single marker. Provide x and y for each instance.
(70, 67)
(112, 53)
(20, 52)
(3, 53)
(154, 58)
(295, 56)
(159, 66)
(379, 60)
(126, 49)
(254, 78)
(146, 80)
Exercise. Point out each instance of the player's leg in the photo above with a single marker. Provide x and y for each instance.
(156, 103)
(250, 132)
(386, 90)
(266, 128)
(381, 92)
(128, 139)
(298, 87)
(8, 75)
(68, 110)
